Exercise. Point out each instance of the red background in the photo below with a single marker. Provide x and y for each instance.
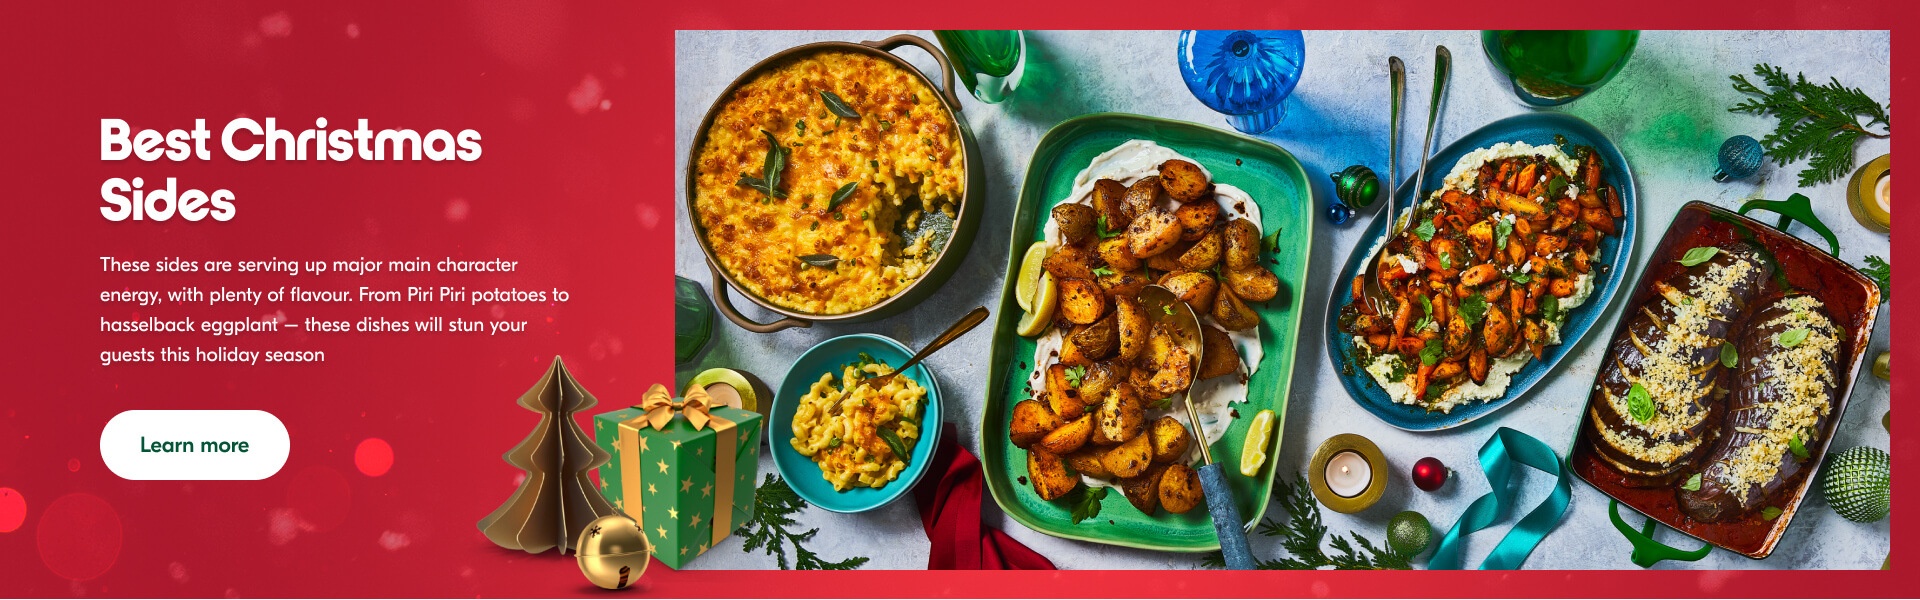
(575, 105)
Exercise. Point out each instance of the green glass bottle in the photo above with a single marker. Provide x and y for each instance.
(989, 62)
(692, 320)
(1551, 68)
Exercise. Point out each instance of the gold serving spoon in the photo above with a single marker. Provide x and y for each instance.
(967, 323)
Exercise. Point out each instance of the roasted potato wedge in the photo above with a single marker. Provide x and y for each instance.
(1082, 301)
(1100, 378)
(1110, 200)
(1068, 437)
(1217, 355)
(1076, 221)
(1127, 284)
(1184, 181)
(1130, 458)
(1122, 415)
(1099, 340)
(1180, 489)
(1119, 257)
(1070, 353)
(1176, 372)
(1086, 461)
(1143, 195)
(1063, 398)
(1205, 252)
(1242, 240)
(1231, 312)
(1170, 440)
(1197, 219)
(1049, 474)
(1169, 261)
(1195, 289)
(1143, 490)
(1153, 232)
(1070, 262)
(1134, 328)
(1031, 421)
(1254, 284)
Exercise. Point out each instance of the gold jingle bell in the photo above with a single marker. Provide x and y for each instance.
(613, 552)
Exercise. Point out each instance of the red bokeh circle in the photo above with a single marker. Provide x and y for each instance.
(374, 456)
(79, 536)
(320, 496)
(13, 510)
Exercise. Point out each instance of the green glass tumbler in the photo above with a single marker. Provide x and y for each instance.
(1551, 68)
(692, 320)
(989, 62)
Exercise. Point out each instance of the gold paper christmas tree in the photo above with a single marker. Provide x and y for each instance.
(556, 501)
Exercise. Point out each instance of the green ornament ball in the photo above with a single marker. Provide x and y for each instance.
(1356, 186)
(1409, 533)
(1855, 484)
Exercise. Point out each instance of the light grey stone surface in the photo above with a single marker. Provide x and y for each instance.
(1666, 112)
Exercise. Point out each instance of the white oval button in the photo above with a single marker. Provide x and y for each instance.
(194, 444)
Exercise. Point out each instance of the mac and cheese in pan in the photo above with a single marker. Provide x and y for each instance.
(859, 435)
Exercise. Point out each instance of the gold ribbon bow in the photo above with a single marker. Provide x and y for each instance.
(660, 407)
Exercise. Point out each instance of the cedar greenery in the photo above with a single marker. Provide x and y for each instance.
(1817, 122)
(1882, 274)
(1301, 536)
(774, 504)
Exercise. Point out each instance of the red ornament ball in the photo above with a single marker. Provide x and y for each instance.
(1429, 474)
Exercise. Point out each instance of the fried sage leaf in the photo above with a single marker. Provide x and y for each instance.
(837, 106)
(842, 194)
(824, 261)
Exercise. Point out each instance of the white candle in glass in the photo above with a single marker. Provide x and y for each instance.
(724, 395)
(1348, 474)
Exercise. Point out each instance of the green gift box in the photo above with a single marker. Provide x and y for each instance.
(688, 485)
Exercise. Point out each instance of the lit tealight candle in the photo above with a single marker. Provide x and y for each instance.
(724, 395)
(1348, 474)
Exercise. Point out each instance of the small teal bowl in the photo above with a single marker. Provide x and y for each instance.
(799, 471)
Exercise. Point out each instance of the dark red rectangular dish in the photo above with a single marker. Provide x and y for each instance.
(1799, 267)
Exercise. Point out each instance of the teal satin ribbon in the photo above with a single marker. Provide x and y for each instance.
(1496, 459)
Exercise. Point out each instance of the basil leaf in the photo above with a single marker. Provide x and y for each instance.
(1425, 230)
(1639, 404)
(1692, 484)
(1501, 229)
(1699, 255)
(1729, 356)
(842, 194)
(893, 442)
(1792, 337)
(837, 106)
(1473, 308)
(824, 261)
(1799, 449)
(1770, 513)
(1086, 503)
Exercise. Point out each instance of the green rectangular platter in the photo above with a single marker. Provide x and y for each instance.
(1280, 186)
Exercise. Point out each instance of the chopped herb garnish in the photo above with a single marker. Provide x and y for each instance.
(1446, 261)
(1425, 230)
(800, 126)
(1075, 375)
(1799, 449)
(1161, 403)
(1518, 277)
(1501, 229)
(814, 227)
(1104, 232)
(1086, 503)
(886, 125)
(1473, 308)
(1103, 271)
(1430, 355)
(1168, 309)
(1557, 187)
(833, 443)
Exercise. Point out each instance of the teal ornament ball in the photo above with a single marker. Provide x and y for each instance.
(1356, 186)
(1856, 484)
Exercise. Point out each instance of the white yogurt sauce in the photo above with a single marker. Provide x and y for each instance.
(1214, 398)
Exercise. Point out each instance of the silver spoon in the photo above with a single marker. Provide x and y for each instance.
(1374, 292)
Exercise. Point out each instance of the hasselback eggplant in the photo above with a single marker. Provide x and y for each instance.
(1658, 399)
(1783, 390)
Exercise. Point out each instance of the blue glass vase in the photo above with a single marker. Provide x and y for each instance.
(1244, 74)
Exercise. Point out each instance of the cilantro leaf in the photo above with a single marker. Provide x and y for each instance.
(1473, 308)
(1550, 309)
(1104, 232)
(1430, 355)
(1075, 375)
(1518, 277)
(1446, 261)
(1501, 229)
(1425, 230)
(1086, 503)
(1102, 271)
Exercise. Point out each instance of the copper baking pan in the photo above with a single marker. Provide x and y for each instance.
(966, 223)
(1853, 299)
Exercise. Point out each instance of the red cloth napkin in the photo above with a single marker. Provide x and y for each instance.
(950, 512)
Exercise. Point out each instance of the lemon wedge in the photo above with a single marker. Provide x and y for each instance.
(1036, 321)
(1253, 451)
(1028, 281)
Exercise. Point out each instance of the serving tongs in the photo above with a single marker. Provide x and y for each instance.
(1163, 307)
(1376, 294)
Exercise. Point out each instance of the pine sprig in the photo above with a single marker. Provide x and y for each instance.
(1301, 536)
(1882, 274)
(772, 524)
(1819, 123)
